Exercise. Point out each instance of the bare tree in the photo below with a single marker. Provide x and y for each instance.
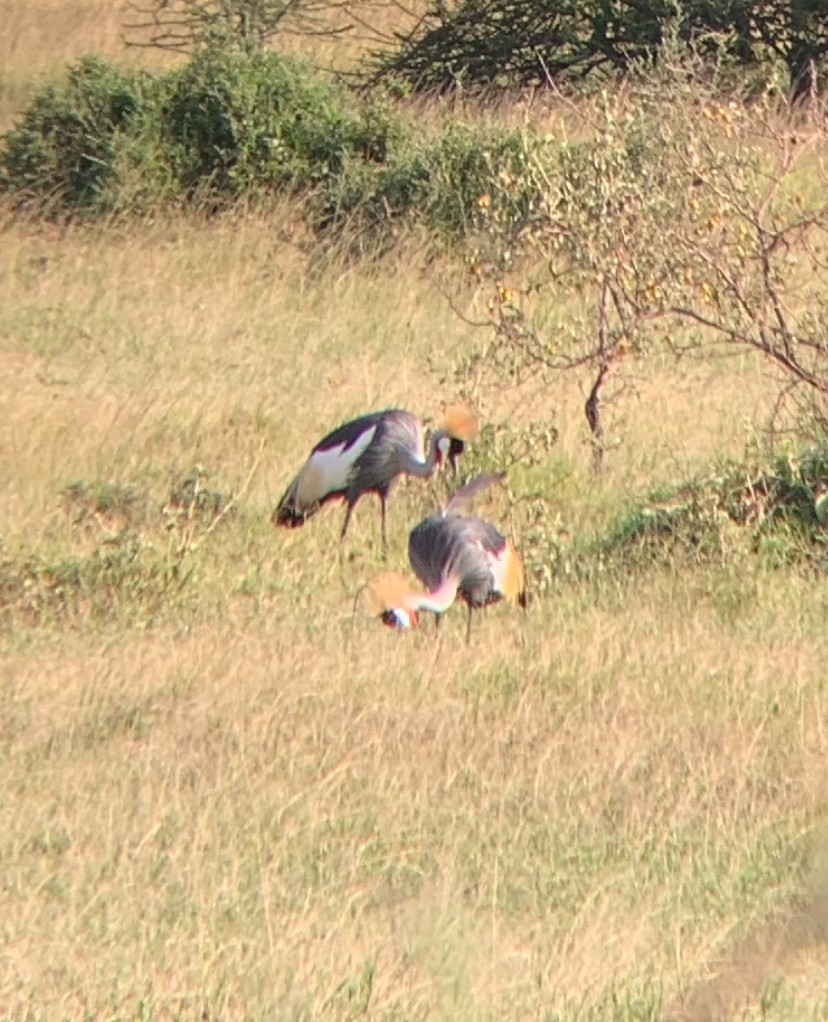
(183, 26)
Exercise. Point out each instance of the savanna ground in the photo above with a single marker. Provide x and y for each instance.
(229, 794)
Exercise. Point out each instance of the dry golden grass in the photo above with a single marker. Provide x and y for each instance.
(41, 34)
(247, 814)
(265, 805)
(241, 798)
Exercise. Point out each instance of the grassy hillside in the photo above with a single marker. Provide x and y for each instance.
(230, 794)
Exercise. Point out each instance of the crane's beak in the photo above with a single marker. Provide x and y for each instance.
(456, 448)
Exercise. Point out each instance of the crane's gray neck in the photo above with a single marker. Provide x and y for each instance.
(438, 600)
(424, 469)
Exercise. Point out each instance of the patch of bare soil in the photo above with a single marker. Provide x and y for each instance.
(776, 950)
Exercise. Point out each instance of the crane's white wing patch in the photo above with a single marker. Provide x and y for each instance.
(419, 453)
(328, 471)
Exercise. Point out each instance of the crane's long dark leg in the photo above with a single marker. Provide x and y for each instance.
(347, 521)
(383, 498)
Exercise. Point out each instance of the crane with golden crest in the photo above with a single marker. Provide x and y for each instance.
(454, 556)
(366, 455)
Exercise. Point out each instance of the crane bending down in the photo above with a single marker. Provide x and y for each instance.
(453, 555)
(366, 455)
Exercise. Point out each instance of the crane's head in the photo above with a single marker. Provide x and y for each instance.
(393, 602)
(449, 448)
(460, 424)
(399, 619)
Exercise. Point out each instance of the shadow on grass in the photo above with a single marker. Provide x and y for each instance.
(742, 978)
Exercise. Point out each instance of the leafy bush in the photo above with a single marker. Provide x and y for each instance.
(236, 124)
(230, 125)
(470, 170)
(227, 125)
(64, 149)
(462, 180)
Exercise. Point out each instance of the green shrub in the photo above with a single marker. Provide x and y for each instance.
(231, 126)
(462, 181)
(63, 151)
(226, 123)
(465, 164)
(238, 124)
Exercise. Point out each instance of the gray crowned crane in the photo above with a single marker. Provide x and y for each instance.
(453, 555)
(366, 455)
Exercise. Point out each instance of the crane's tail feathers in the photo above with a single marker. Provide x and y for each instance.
(464, 495)
(461, 421)
(514, 580)
(287, 513)
(288, 517)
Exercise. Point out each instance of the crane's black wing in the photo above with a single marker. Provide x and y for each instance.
(333, 467)
(348, 433)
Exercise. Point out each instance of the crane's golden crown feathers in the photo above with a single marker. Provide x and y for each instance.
(461, 420)
(388, 592)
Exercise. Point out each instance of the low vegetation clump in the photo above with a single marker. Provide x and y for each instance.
(115, 506)
(125, 581)
(239, 126)
(223, 126)
(126, 559)
(776, 512)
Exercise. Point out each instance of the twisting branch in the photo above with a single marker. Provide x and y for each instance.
(185, 26)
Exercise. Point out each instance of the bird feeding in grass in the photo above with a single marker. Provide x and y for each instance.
(366, 455)
(454, 556)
